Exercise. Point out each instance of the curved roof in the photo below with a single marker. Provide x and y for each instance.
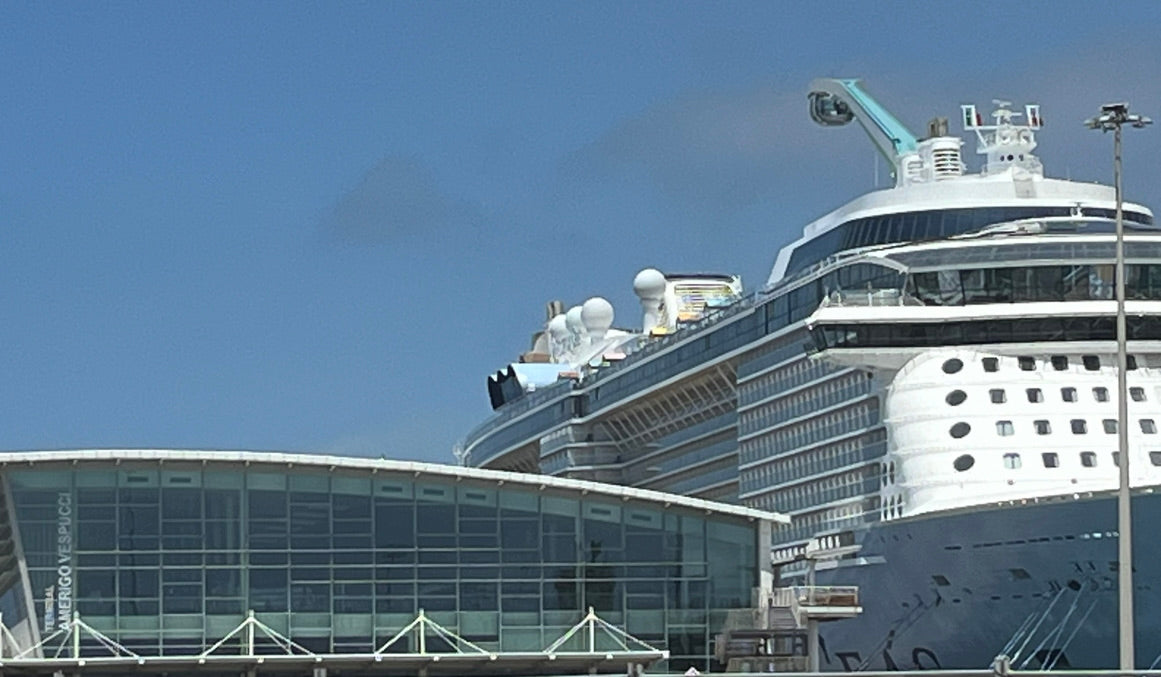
(416, 468)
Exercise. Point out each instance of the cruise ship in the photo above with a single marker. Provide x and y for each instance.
(926, 384)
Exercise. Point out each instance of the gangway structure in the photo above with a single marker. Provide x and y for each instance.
(785, 637)
(422, 648)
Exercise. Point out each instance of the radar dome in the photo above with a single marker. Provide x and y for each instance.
(557, 327)
(597, 315)
(558, 336)
(649, 284)
(573, 321)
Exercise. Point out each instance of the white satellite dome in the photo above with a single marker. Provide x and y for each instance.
(573, 321)
(558, 328)
(597, 315)
(649, 284)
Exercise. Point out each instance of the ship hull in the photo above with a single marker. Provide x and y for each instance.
(1036, 581)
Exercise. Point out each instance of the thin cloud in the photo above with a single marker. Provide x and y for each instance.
(714, 151)
(397, 201)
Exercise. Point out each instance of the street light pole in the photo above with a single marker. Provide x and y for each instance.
(1112, 117)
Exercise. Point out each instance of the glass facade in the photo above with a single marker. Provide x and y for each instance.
(1028, 284)
(978, 332)
(168, 559)
(928, 225)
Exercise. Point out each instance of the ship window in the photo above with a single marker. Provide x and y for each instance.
(1051, 460)
(1027, 364)
(1148, 426)
(965, 462)
(1042, 427)
(952, 366)
(1011, 461)
(960, 429)
(1059, 362)
(956, 397)
(1079, 426)
(991, 364)
(1100, 394)
(998, 396)
(1035, 395)
(1155, 457)
(1091, 362)
(1088, 459)
(940, 580)
(1068, 394)
(1004, 428)
(1110, 425)
(1130, 362)
(1138, 394)
(1117, 458)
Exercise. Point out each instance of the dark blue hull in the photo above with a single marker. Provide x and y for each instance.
(1038, 581)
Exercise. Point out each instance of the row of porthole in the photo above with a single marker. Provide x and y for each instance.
(1058, 362)
(1051, 459)
(1036, 395)
(1079, 426)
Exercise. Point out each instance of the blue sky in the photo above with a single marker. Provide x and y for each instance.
(319, 226)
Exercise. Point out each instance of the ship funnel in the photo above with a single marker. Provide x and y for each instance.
(554, 308)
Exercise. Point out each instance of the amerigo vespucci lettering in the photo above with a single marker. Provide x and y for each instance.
(58, 598)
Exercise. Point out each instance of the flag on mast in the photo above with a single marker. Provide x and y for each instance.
(971, 118)
(1032, 110)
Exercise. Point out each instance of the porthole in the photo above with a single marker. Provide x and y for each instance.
(952, 366)
(960, 429)
(956, 397)
(964, 462)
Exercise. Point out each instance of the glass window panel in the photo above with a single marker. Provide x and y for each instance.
(222, 535)
(223, 582)
(181, 503)
(394, 526)
(267, 504)
(223, 504)
(96, 584)
(436, 519)
(96, 535)
(348, 506)
(139, 521)
(138, 582)
(482, 596)
(305, 597)
(268, 589)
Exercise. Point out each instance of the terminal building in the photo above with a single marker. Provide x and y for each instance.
(171, 555)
